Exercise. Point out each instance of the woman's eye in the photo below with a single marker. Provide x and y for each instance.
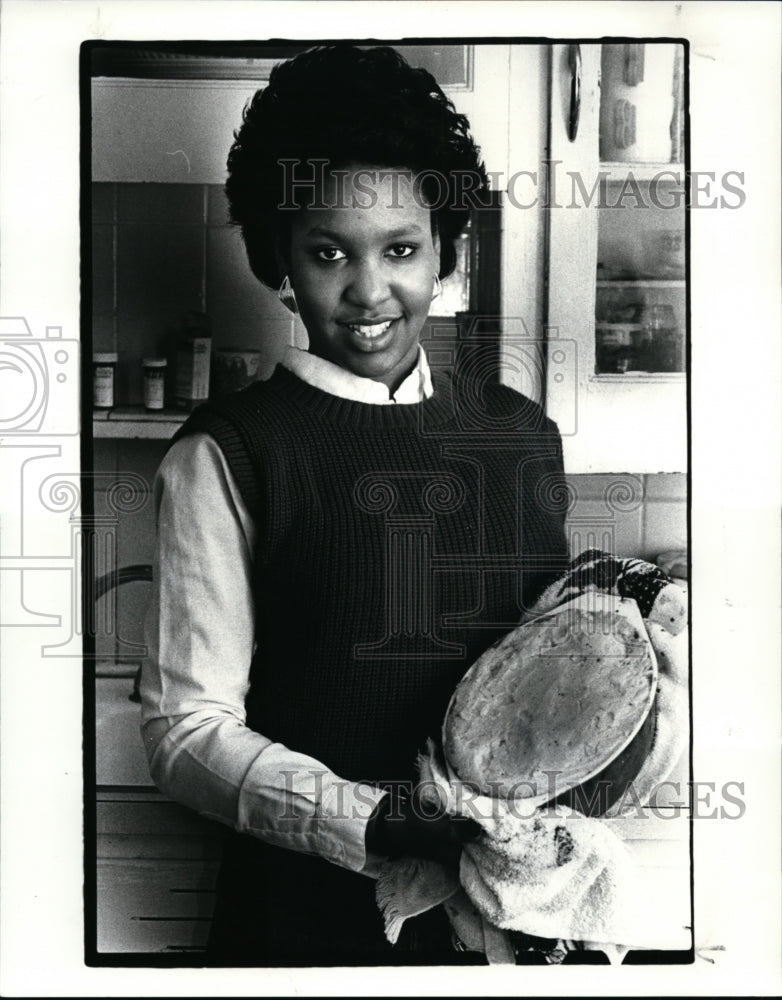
(330, 253)
(402, 250)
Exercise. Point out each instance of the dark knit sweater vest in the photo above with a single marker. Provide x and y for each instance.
(394, 545)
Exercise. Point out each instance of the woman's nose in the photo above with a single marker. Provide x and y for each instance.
(368, 287)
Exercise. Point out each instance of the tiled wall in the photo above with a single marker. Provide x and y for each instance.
(160, 250)
(629, 515)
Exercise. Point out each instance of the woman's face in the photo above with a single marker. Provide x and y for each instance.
(363, 272)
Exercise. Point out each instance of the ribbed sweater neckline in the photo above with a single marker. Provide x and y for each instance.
(321, 405)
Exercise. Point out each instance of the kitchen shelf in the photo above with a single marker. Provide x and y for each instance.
(621, 378)
(641, 283)
(136, 422)
(617, 173)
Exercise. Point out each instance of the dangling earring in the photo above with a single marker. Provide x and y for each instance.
(437, 288)
(287, 296)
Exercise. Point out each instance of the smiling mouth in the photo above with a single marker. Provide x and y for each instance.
(370, 331)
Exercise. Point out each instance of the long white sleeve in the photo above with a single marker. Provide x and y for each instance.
(200, 636)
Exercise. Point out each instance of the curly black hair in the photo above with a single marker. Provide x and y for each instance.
(349, 106)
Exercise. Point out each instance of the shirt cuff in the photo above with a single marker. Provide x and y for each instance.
(343, 814)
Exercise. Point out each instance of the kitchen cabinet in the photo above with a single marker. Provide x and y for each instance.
(155, 861)
(186, 106)
(616, 274)
(156, 868)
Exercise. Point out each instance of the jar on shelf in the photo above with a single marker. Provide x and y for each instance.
(104, 366)
(154, 383)
(616, 348)
(664, 346)
(665, 254)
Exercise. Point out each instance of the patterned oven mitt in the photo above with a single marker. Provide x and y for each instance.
(658, 599)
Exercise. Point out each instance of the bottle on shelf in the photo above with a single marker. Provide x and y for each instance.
(193, 358)
(154, 383)
(104, 365)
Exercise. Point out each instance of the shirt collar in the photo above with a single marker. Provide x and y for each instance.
(325, 375)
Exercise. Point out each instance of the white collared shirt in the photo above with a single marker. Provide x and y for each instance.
(200, 635)
(338, 381)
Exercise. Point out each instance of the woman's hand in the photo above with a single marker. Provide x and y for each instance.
(420, 827)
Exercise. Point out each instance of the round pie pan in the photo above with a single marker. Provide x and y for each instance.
(594, 790)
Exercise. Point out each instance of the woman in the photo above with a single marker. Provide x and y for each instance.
(339, 543)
